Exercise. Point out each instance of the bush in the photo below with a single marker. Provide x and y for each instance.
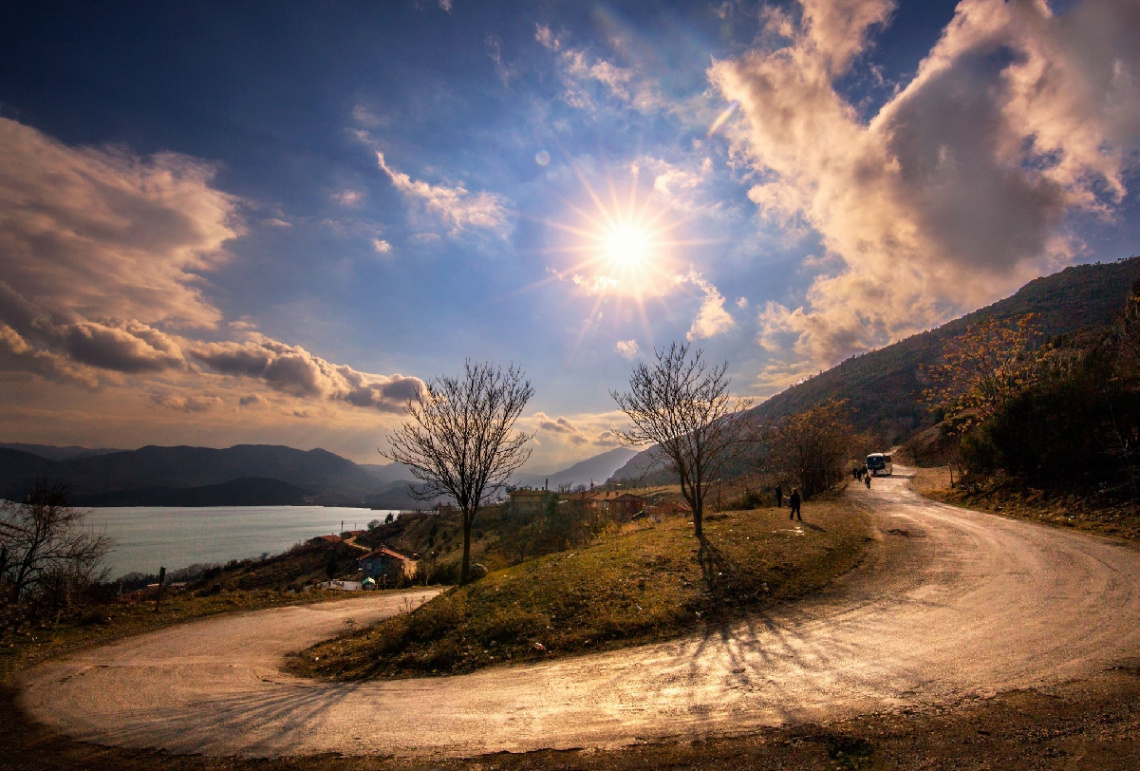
(48, 561)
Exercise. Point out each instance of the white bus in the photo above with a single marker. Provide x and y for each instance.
(879, 464)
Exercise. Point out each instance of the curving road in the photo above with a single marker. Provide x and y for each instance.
(950, 604)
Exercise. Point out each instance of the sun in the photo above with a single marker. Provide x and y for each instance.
(627, 248)
(622, 245)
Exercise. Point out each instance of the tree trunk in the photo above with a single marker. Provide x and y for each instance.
(698, 505)
(464, 570)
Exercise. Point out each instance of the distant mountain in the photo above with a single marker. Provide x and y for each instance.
(388, 473)
(326, 478)
(251, 491)
(19, 469)
(56, 453)
(883, 387)
(396, 496)
(592, 470)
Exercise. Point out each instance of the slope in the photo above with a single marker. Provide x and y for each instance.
(883, 387)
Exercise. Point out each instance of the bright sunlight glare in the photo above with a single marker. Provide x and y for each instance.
(627, 247)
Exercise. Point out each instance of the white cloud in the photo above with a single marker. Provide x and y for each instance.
(583, 73)
(365, 117)
(596, 430)
(455, 208)
(547, 38)
(628, 349)
(380, 246)
(348, 198)
(958, 190)
(712, 319)
(838, 29)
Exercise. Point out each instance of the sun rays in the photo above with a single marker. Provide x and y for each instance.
(622, 245)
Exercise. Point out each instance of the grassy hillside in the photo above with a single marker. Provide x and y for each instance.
(641, 582)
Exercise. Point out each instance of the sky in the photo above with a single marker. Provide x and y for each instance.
(269, 222)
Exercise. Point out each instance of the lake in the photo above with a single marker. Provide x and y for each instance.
(149, 537)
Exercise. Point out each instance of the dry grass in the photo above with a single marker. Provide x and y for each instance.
(1088, 512)
(646, 581)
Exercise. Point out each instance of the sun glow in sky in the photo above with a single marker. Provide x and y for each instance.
(270, 223)
(627, 248)
(628, 245)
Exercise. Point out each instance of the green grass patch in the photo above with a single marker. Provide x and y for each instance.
(647, 581)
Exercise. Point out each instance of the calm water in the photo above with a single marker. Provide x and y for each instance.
(149, 537)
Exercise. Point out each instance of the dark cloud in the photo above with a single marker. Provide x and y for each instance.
(129, 347)
(184, 403)
(296, 371)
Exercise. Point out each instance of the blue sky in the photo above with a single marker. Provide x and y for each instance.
(266, 222)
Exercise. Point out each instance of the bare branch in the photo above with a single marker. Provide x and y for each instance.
(459, 441)
(683, 407)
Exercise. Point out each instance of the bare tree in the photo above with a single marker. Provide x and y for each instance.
(812, 447)
(46, 556)
(459, 440)
(683, 408)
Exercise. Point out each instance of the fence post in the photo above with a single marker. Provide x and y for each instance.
(161, 580)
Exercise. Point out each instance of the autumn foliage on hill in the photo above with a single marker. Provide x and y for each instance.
(1061, 415)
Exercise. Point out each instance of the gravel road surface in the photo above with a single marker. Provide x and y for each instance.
(949, 605)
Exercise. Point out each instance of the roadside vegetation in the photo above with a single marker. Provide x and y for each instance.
(1114, 518)
(1043, 428)
(642, 581)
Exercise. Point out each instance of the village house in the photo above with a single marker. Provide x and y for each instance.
(383, 561)
(623, 505)
(526, 500)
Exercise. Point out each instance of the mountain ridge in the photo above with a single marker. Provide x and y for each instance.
(883, 387)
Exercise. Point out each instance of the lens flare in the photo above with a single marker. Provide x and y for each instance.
(722, 118)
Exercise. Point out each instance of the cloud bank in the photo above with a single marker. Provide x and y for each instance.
(292, 370)
(595, 430)
(959, 188)
(105, 257)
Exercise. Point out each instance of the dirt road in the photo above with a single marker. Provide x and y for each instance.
(950, 605)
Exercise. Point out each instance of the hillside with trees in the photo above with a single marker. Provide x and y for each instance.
(883, 389)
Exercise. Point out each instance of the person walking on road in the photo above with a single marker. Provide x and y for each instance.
(779, 497)
(867, 479)
(794, 503)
